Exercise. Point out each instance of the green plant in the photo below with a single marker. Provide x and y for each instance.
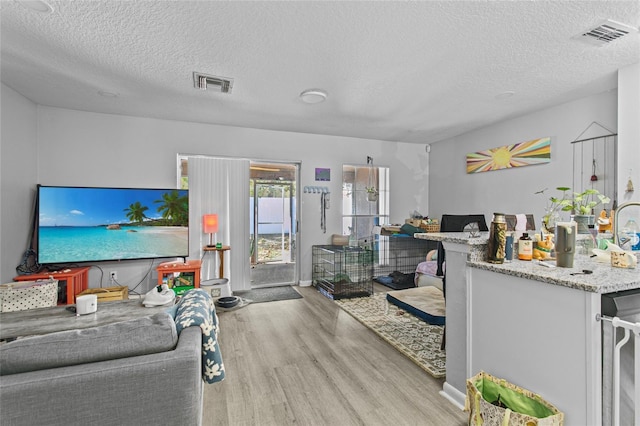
(371, 189)
(553, 208)
(585, 201)
(581, 203)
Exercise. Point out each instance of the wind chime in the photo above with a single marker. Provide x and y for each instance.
(372, 191)
(603, 151)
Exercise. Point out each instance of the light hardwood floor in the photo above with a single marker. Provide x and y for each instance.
(307, 362)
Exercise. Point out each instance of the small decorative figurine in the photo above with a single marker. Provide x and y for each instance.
(604, 222)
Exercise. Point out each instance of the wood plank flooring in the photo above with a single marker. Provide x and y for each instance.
(307, 362)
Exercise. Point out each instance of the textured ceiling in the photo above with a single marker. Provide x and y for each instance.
(399, 71)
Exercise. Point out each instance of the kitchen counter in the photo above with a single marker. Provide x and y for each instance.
(604, 279)
(538, 327)
(534, 326)
(477, 246)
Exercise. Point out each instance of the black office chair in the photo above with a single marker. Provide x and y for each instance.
(454, 223)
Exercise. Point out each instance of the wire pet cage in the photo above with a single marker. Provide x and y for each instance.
(341, 272)
(398, 254)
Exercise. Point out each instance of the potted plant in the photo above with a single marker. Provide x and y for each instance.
(581, 204)
(372, 193)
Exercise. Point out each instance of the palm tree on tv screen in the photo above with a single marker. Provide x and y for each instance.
(174, 208)
(135, 212)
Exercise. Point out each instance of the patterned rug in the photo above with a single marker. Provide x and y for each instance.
(410, 335)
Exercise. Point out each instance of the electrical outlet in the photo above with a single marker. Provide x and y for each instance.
(113, 275)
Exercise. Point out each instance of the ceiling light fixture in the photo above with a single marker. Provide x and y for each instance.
(37, 5)
(107, 94)
(264, 169)
(505, 95)
(313, 96)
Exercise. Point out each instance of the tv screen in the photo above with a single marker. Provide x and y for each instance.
(81, 224)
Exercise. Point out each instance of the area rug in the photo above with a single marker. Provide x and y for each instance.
(269, 294)
(416, 339)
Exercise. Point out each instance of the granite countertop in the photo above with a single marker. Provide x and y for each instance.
(604, 279)
(454, 237)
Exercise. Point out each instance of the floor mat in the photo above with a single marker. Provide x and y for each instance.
(269, 294)
(413, 337)
(427, 303)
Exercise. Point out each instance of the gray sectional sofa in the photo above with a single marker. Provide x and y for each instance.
(138, 372)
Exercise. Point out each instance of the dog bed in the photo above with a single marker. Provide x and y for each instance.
(426, 303)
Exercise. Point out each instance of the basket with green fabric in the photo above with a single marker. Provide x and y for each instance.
(494, 401)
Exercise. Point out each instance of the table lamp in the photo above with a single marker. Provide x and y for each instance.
(210, 226)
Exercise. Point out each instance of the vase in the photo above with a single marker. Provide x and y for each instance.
(549, 222)
(583, 221)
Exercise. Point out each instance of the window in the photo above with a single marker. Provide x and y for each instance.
(365, 199)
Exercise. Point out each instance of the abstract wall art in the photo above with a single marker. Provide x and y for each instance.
(537, 151)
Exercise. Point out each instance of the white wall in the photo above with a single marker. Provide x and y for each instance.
(18, 170)
(629, 131)
(90, 149)
(511, 191)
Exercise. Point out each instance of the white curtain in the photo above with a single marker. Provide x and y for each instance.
(221, 186)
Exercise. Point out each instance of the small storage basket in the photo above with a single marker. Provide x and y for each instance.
(432, 227)
(21, 296)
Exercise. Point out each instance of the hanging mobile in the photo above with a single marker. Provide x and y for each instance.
(594, 178)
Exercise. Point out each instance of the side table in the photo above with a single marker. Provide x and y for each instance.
(220, 251)
(187, 268)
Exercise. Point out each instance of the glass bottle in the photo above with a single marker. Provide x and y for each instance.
(525, 247)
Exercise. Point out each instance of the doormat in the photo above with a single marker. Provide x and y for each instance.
(269, 294)
(416, 339)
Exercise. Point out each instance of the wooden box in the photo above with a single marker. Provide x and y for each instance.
(108, 294)
(413, 222)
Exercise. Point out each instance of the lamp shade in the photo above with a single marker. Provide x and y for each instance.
(210, 223)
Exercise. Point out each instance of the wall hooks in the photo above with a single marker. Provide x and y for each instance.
(316, 190)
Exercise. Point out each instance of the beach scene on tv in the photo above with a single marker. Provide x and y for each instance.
(95, 224)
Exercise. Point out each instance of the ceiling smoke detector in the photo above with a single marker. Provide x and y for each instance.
(605, 33)
(211, 82)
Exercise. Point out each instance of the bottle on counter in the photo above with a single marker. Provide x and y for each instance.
(525, 247)
(497, 239)
(631, 235)
(508, 250)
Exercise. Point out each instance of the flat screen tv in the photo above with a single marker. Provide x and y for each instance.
(82, 224)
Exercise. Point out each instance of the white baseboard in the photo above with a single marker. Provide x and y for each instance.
(306, 283)
(454, 396)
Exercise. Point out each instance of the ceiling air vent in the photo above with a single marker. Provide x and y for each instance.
(605, 33)
(210, 82)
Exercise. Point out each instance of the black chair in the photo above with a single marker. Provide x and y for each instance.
(454, 223)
